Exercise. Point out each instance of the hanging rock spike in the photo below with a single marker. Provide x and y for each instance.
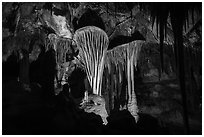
(126, 55)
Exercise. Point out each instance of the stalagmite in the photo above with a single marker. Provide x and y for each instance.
(93, 44)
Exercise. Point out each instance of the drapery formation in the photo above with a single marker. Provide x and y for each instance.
(93, 43)
(62, 46)
(120, 63)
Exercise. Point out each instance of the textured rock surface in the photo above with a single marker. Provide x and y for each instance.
(95, 104)
(158, 93)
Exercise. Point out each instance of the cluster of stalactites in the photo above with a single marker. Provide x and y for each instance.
(120, 55)
(64, 46)
(124, 59)
(61, 46)
(92, 43)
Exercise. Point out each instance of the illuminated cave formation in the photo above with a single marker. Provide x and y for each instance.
(121, 59)
(54, 53)
(93, 44)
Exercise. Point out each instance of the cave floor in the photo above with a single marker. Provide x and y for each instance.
(27, 113)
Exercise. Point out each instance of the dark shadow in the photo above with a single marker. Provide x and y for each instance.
(36, 67)
(89, 18)
(76, 82)
(10, 68)
(122, 39)
(49, 73)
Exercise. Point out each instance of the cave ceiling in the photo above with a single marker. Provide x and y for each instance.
(119, 18)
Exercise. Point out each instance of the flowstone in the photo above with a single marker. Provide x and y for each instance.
(95, 104)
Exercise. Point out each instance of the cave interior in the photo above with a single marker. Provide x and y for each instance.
(101, 68)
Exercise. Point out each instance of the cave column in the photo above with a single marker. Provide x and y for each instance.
(93, 44)
(132, 102)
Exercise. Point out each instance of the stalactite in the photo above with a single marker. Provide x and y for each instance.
(187, 19)
(128, 73)
(177, 25)
(105, 92)
(93, 43)
(62, 47)
(132, 104)
(161, 31)
(18, 16)
(118, 82)
(157, 27)
(52, 40)
(192, 16)
(124, 58)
